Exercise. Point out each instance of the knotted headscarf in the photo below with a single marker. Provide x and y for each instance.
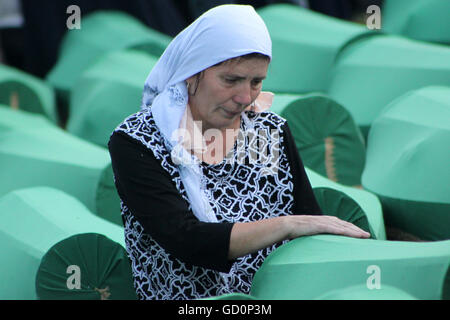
(222, 33)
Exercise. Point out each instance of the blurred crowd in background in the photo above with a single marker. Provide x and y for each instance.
(31, 31)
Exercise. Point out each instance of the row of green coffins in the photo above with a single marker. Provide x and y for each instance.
(331, 145)
(327, 138)
(315, 45)
(365, 74)
(102, 32)
(313, 177)
(301, 39)
(319, 266)
(328, 267)
(370, 73)
(407, 159)
(306, 43)
(38, 153)
(408, 162)
(37, 219)
(361, 69)
(33, 263)
(54, 248)
(42, 238)
(35, 152)
(106, 93)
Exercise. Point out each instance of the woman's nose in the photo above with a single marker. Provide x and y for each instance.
(244, 95)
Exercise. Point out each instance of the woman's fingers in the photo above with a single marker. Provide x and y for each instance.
(308, 225)
(349, 231)
(350, 228)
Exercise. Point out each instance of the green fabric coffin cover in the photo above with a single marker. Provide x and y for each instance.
(309, 267)
(33, 220)
(372, 72)
(34, 152)
(101, 32)
(326, 136)
(85, 266)
(367, 201)
(408, 162)
(304, 45)
(361, 293)
(426, 20)
(19, 90)
(106, 93)
(336, 203)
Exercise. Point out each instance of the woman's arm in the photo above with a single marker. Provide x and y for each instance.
(250, 237)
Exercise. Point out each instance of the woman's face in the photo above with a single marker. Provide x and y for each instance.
(225, 90)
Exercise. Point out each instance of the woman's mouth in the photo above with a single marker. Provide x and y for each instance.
(230, 114)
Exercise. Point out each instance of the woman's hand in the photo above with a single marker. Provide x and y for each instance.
(304, 225)
(249, 237)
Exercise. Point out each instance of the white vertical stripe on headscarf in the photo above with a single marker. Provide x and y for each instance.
(222, 33)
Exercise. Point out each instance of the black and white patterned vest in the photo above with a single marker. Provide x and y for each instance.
(239, 189)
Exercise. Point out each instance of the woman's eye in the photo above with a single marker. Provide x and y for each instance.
(230, 80)
(256, 83)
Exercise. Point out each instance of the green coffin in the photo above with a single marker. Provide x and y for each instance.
(361, 293)
(310, 267)
(408, 162)
(85, 266)
(304, 46)
(106, 93)
(19, 90)
(35, 219)
(337, 203)
(325, 134)
(34, 152)
(426, 20)
(101, 32)
(367, 201)
(371, 72)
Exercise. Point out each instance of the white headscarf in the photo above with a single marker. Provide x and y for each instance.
(222, 33)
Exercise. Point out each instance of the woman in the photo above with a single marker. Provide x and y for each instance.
(209, 186)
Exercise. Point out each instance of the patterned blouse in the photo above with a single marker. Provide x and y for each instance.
(173, 254)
